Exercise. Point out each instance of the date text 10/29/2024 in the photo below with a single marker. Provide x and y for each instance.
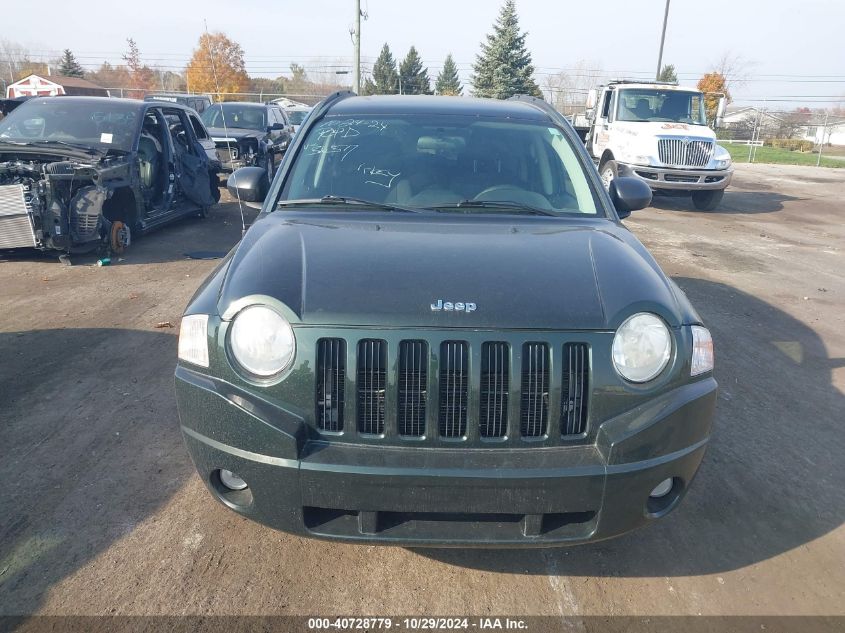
(416, 624)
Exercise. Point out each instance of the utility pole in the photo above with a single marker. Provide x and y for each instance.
(662, 39)
(356, 77)
(821, 145)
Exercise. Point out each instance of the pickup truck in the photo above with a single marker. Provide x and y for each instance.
(657, 132)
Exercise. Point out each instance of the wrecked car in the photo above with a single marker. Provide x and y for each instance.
(249, 135)
(79, 174)
(439, 332)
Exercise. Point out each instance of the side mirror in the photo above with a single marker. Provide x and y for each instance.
(248, 184)
(629, 194)
(720, 111)
(592, 97)
(276, 126)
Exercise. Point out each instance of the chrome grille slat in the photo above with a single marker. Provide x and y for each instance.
(675, 152)
(493, 420)
(453, 389)
(413, 387)
(535, 390)
(372, 383)
(331, 377)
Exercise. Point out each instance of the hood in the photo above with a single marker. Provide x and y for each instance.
(545, 275)
(651, 130)
(236, 133)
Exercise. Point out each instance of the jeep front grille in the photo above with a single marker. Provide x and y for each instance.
(495, 384)
(413, 387)
(454, 369)
(535, 390)
(574, 389)
(372, 386)
(680, 152)
(331, 377)
(454, 391)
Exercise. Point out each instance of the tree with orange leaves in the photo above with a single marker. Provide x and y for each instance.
(712, 85)
(217, 66)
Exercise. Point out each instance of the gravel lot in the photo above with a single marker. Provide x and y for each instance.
(101, 511)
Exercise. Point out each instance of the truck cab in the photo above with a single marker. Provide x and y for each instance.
(659, 133)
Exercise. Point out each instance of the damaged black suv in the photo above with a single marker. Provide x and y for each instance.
(82, 173)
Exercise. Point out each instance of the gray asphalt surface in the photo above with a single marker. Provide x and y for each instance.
(101, 511)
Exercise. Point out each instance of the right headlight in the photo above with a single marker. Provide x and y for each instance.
(261, 341)
(642, 347)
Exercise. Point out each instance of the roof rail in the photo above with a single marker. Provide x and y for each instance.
(330, 100)
(545, 106)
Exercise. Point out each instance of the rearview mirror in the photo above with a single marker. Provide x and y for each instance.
(248, 184)
(629, 194)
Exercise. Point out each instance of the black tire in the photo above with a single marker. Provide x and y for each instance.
(707, 200)
(270, 168)
(608, 172)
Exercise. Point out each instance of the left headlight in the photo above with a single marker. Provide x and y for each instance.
(721, 158)
(261, 341)
(193, 339)
(642, 347)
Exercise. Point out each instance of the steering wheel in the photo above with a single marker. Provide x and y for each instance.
(512, 193)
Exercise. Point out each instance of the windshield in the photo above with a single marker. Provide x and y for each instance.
(442, 162)
(674, 106)
(297, 116)
(244, 116)
(102, 124)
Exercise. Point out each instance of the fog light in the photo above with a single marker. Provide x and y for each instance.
(232, 481)
(660, 490)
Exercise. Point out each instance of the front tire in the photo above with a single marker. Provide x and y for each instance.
(707, 200)
(270, 168)
(609, 171)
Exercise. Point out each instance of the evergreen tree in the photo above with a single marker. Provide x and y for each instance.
(448, 82)
(504, 68)
(385, 80)
(668, 74)
(412, 76)
(69, 67)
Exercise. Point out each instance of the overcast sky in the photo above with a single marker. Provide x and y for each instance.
(802, 42)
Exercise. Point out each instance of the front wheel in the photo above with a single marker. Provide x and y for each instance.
(120, 237)
(707, 200)
(608, 172)
(270, 167)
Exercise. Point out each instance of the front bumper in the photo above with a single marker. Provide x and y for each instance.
(678, 179)
(513, 497)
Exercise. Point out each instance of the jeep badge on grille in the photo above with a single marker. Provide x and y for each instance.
(450, 306)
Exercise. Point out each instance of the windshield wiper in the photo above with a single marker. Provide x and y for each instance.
(345, 200)
(504, 204)
(79, 146)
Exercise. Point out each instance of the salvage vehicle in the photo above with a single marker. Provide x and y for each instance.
(657, 132)
(196, 102)
(249, 134)
(82, 173)
(438, 332)
(296, 115)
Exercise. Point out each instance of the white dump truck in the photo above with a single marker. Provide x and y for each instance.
(657, 132)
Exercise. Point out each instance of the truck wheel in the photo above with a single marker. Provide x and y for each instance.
(608, 172)
(707, 200)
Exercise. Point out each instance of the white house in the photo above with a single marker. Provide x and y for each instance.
(832, 134)
(53, 86)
